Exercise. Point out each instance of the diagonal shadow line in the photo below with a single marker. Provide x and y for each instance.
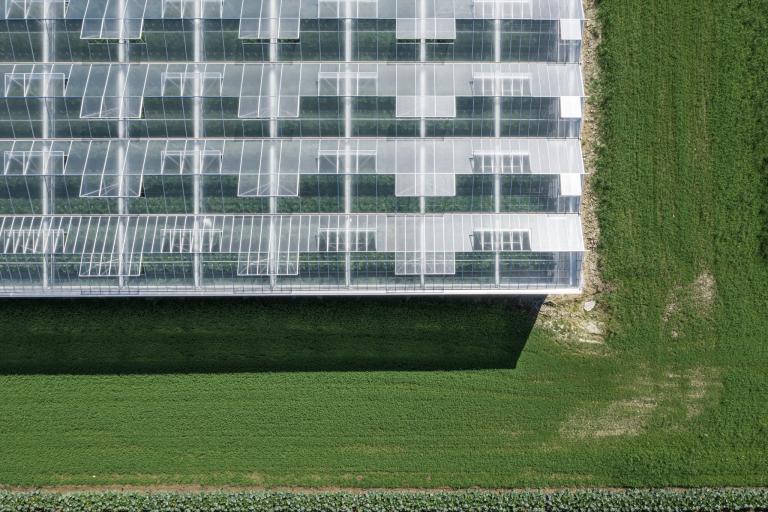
(157, 336)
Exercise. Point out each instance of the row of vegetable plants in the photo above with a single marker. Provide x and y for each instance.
(699, 500)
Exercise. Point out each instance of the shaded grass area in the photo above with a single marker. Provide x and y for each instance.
(237, 335)
(677, 397)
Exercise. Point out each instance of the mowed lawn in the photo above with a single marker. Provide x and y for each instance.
(428, 392)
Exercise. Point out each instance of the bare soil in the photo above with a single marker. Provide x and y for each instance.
(564, 315)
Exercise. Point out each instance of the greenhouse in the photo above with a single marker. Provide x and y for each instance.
(315, 147)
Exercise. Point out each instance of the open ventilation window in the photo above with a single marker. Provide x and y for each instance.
(112, 107)
(191, 83)
(427, 263)
(36, 162)
(425, 184)
(265, 107)
(40, 240)
(187, 8)
(111, 185)
(260, 264)
(253, 264)
(501, 240)
(425, 90)
(424, 168)
(501, 84)
(445, 157)
(276, 89)
(115, 91)
(111, 169)
(36, 9)
(503, 9)
(270, 19)
(113, 19)
(338, 157)
(268, 185)
(570, 185)
(571, 30)
(439, 263)
(270, 169)
(337, 80)
(110, 265)
(425, 106)
(270, 246)
(35, 85)
(339, 9)
(189, 161)
(331, 161)
(407, 264)
(571, 107)
(524, 156)
(334, 240)
(191, 240)
(501, 163)
(424, 245)
(425, 19)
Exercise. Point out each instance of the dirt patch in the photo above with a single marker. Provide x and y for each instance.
(572, 325)
(590, 144)
(565, 316)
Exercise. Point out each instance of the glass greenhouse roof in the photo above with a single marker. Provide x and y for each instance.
(253, 12)
(290, 146)
(293, 80)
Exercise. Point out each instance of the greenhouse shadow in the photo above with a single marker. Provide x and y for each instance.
(156, 336)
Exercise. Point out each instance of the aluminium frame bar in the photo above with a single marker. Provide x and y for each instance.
(197, 199)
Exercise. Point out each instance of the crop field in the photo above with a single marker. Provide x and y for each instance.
(460, 393)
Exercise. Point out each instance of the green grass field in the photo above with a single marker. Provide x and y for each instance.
(427, 393)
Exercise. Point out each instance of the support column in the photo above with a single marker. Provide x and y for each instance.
(197, 134)
(273, 133)
(47, 191)
(122, 135)
(422, 134)
(348, 51)
(497, 135)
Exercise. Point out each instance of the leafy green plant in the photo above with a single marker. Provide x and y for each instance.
(704, 500)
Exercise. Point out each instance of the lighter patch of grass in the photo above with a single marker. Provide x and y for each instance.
(692, 302)
(704, 290)
(626, 416)
(674, 396)
(373, 449)
(704, 387)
